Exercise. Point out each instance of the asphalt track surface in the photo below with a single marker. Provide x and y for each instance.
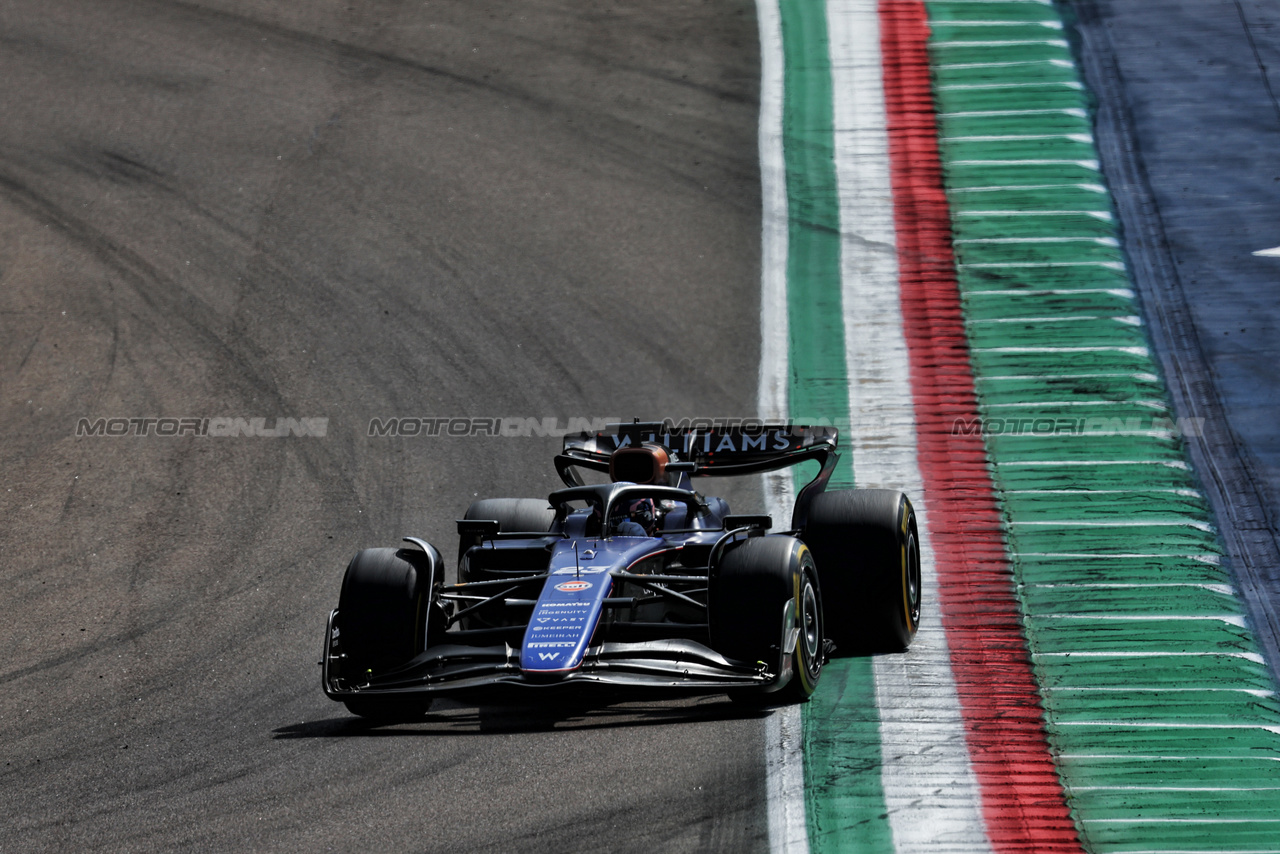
(322, 210)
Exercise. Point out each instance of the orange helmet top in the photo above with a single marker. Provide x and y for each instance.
(645, 463)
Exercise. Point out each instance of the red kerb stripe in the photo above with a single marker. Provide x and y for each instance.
(1023, 802)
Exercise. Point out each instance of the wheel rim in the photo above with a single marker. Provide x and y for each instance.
(811, 624)
(913, 576)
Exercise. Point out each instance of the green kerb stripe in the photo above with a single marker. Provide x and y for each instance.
(845, 803)
(1160, 710)
(819, 387)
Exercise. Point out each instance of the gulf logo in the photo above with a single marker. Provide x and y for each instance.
(573, 586)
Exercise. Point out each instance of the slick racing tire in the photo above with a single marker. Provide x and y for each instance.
(750, 619)
(382, 617)
(522, 515)
(867, 550)
(514, 515)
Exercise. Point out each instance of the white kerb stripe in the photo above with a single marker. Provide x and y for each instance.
(784, 759)
(930, 789)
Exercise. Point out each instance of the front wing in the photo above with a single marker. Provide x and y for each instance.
(678, 664)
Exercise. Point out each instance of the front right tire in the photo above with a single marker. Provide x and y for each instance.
(382, 624)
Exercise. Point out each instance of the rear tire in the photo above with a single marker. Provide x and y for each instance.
(518, 515)
(867, 549)
(521, 515)
(749, 621)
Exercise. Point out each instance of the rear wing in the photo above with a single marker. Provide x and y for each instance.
(709, 450)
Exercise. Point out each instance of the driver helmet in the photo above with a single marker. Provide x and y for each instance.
(644, 514)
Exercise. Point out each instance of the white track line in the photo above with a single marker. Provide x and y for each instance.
(999, 87)
(1039, 265)
(1010, 188)
(1131, 320)
(1101, 241)
(1084, 138)
(1137, 376)
(1164, 689)
(1132, 351)
(1121, 293)
(1221, 589)
(1203, 851)
(1062, 43)
(1124, 523)
(1047, 24)
(1145, 653)
(988, 2)
(1173, 464)
(930, 789)
(1138, 490)
(1146, 404)
(1228, 619)
(784, 729)
(1154, 757)
(979, 114)
(1104, 216)
(1212, 560)
(1158, 820)
(1091, 165)
(951, 66)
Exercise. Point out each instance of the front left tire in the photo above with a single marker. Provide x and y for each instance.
(763, 596)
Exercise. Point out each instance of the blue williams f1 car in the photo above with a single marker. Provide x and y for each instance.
(637, 582)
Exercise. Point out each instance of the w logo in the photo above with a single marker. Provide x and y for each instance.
(548, 656)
